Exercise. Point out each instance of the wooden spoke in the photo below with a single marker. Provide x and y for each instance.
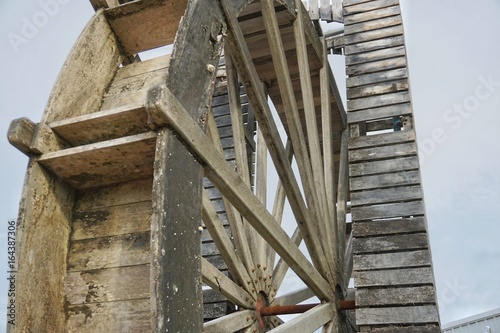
(309, 321)
(230, 323)
(294, 297)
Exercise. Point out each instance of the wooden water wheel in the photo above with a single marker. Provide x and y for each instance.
(145, 202)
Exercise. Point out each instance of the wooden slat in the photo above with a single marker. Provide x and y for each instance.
(120, 316)
(366, 36)
(380, 88)
(384, 166)
(383, 76)
(353, 2)
(108, 252)
(309, 321)
(141, 67)
(374, 45)
(387, 195)
(377, 101)
(233, 188)
(230, 323)
(294, 297)
(376, 66)
(371, 15)
(104, 163)
(394, 296)
(388, 53)
(397, 315)
(372, 25)
(389, 227)
(390, 243)
(394, 277)
(343, 193)
(392, 260)
(281, 268)
(385, 152)
(383, 139)
(404, 178)
(387, 211)
(371, 114)
(372, 5)
(432, 328)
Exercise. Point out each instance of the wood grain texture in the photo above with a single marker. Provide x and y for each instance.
(383, 139)
(384, 166)
(374, 45)
(366, 36)
(386, 195)
(372, 15)
(397, 315)
(369, 6)
(378, 89)
(381, 244)
(394, 277)
(404, 178)
(391, 210)
(20, 134)
(384, 152)
(379, 113)
(373, 25)
(389, 227)
(371, 56)
(378, 101)
(393, 74)
(392, 260)
(394, 296)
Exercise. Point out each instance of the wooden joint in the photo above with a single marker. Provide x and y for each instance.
(407, 123)
(20, 134)
(45, 140)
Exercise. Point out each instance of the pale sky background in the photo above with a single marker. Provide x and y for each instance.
(454, 59)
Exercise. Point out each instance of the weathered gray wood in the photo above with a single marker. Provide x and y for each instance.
(230, 323)
(140, 27)
(392, 260)
(70, 98)
(384, 152)
(384, 166)
(382, 139)
(389, 227)
(218, 281)
(404, 178)
(388, 53)
(380, 88)
(387, 210)
(376, 77)
(394, 277)
(103, 125)
(374, 45)
(372, 25)
(111, 221)
(379, 113)
(141, 67)
(43, 231)
(108, 252)
(20, 134)
(294, 297)
(376, 66)
(309, 321)
(342, 193)
(104, 163)
(386, 195)
(233, 188)
(366, 36)
(394, 296)
(44, 140)
(397, 315)
(390, 243)
(120, 316)
(372, 15)
(407, 329)
(372, 5)
(353, 2)
(377, 101)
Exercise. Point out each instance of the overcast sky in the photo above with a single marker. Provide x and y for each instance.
(454, 58)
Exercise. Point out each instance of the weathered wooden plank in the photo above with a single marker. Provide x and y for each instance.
(394, 296)
(380, 244)
(371, 56)
(233, 188)
(376, 66)
(108, 252)
(112, 221)
(396, 110)
(377, 89)
(70, 98)
(383, 139)
(403, 178)
(230, 323)
(407, 329)
(397, 315)
(391, 260)
(294, 297)
(394, 277)
(104, 163)
(141, 67)
(309, 321)
(391, 210)
(140, 27)
(374, 45)
(120, 316)
(43, 231)
(372, 15)
(353, 2)
(103, 125)
(108, 284)
(382, 76)
(384, 152)
(20, 134)
(373, 25)
(389, 227)
(387, 195)
(384, 166)
(367, 36)
(372, 5)
(377, 101)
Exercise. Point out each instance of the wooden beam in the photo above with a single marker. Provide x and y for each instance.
(309, 321)
(294, 297)
(230, 323)
(166, 107)
(20, 134)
